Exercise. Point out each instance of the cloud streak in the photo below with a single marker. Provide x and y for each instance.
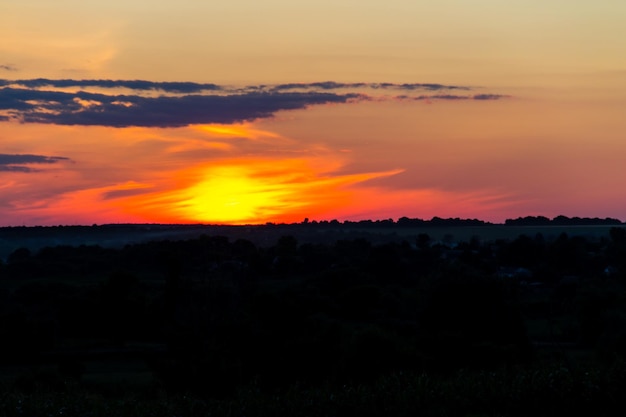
(455, 97)
(176, 104)
(331, 85)
(191, 87)
(20, 162)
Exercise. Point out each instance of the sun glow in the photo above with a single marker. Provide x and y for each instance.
(232, 194)
(252, 191)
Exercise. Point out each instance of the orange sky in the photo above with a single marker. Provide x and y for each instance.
(520, 111)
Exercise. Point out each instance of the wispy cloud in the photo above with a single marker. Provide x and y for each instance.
(192, 87)
(332, 85)
(455, 97)
(489, 96)
(7, 67)
(21, 162)
(186, 103)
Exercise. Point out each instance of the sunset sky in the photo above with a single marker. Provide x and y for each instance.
(245, 111)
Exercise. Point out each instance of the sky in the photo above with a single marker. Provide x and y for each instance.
(247, 112)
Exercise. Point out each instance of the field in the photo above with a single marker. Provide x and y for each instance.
(313, 320)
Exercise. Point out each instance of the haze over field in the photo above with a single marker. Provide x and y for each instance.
(249, 112)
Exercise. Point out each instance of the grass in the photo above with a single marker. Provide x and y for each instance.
(537, 391)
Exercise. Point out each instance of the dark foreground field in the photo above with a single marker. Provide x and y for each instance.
(314, 320)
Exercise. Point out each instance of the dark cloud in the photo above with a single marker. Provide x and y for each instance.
(331, 85)
(6, 159)
(35, 106)
(417, 86)
(489, 96)
(173, 87)
(325, 85)
(445, 97)
(454, 97)
(125, 193)
(19, 99)
(191, 87)
(16, 168)
(185, 103)
(427, 86)
(19, 162)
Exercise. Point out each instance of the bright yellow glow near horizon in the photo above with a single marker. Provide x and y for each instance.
(252, 192)
(231, 195)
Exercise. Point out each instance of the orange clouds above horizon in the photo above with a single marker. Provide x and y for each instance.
(253, 191)
(185, 175)
(220, 174)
